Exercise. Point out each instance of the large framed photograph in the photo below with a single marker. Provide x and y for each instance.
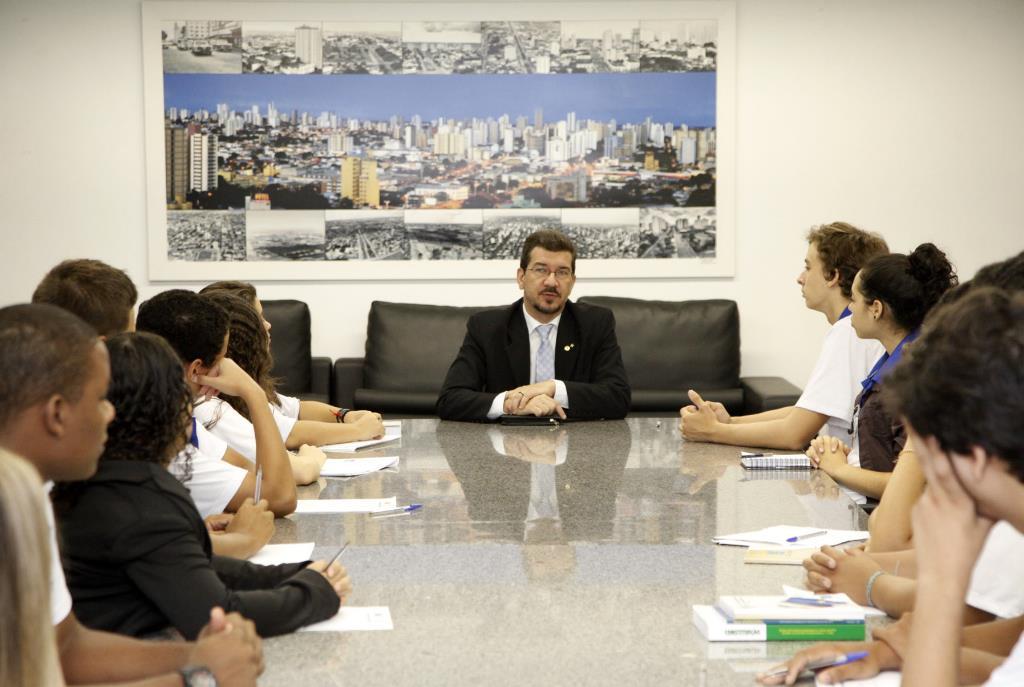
(316, 141)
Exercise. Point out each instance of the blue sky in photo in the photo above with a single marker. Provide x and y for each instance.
(677, 97)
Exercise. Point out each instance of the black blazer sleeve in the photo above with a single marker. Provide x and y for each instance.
(462, 395)
(608, 396)
(174, 573)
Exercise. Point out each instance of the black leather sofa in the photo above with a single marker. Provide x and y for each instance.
(671, 346)
(667, 348)
(299, 372)
(409, 348)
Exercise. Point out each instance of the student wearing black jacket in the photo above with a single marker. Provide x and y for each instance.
(137, 553)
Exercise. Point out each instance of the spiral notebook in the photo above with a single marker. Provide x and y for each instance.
(778, 461)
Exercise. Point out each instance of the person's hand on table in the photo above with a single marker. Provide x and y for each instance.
(698, 422)
(541, 406)
(835, 571)
(355, 415)
(314, 453)
(518, 398)
(253, 521)
(230, 648)
(218, 522)
(880, 657)
(336, 576)
(369, 427)
(828, 453)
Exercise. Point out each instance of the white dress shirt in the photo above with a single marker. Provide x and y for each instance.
(561, 394)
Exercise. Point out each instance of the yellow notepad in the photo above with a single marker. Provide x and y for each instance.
(777, 555)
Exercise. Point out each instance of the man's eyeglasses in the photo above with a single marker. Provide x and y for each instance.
(541, 272)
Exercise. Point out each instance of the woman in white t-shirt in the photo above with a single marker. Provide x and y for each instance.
(28, 649)
(301, 422)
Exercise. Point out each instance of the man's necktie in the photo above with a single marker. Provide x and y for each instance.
(544, 368)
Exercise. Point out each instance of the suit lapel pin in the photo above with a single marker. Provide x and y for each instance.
(569, 347)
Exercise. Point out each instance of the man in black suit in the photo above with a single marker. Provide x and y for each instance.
(543, 355)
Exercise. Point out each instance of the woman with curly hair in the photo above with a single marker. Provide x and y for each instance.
(137, 553)
(249, 346)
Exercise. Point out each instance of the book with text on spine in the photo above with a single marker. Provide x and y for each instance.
(715, 627)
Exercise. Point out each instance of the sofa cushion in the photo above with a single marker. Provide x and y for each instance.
(409, 346)
(676, 345)
(290, 344)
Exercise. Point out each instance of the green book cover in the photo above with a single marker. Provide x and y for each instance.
(838, 632)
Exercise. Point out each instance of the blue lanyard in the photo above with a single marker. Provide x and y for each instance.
(886, 363)
(194, 439)
(845, 313)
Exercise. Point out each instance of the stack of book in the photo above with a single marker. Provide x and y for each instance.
(834, 617)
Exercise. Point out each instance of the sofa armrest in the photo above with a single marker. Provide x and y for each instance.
(348, 376)
(767, 393)
(320, 375)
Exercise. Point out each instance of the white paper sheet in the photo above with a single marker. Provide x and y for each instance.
(275, 554)
(778, 535)
(888, 678)
(351, 467)
(351, 619)
(390, 434)
(345, 505)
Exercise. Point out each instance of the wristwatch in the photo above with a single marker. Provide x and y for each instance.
(197, 676)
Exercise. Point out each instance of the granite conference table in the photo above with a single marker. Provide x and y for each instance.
(550, 556)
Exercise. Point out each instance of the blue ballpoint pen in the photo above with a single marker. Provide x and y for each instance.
(797, 538)
(836, 660)
(397, 511)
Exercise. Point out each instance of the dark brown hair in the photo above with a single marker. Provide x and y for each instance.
(844, 249)
(550, 240)
(100, 294)
(44, 350)
(909, 285)
(962, 382)
(248, 344)
(242, 289)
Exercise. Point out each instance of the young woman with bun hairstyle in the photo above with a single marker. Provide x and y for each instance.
(892, 294)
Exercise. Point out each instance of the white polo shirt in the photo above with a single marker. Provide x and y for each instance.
(1011, 672)
(213, 482)
(289, 406)
(996, 581)
(60, 597)
(844, 362)
(230, 426)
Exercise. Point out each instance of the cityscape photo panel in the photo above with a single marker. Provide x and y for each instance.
(339, 145)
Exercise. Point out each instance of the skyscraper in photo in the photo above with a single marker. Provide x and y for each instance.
(202, 162)
(176, 163)
(359, 182)
(309, 45)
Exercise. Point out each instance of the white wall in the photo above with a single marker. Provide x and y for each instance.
(902, 117)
